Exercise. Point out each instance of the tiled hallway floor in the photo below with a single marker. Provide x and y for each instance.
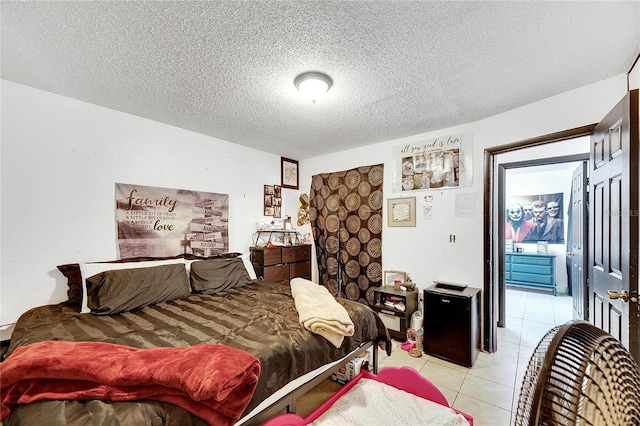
(489, 390)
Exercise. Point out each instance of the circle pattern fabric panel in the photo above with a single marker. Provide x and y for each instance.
(345, 209)
(375, 200)
(334, 182)
(332, 265)
(364, 259)
(353, 246)
(374, 247)
(353, 224)
(333, 202)
(375, 224)
(364, 212)
(332, 223)
(352, 268)
(374, 272)
(376, 175)
(352, 291)
(364, 235)
(332, 244)
(352, 179)
(352, 202)
(363, 282)
(364, 189)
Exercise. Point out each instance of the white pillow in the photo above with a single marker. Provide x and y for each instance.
(90, 269)
(247, 264)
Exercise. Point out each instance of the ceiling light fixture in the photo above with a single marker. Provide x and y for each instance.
(313, 84)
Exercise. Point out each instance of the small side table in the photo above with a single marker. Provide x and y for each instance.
(396, 320)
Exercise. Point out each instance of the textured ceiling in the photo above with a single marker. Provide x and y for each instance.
(226, 68)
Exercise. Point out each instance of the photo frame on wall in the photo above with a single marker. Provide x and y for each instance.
(289, 173)
(401, 211)
(273, 201)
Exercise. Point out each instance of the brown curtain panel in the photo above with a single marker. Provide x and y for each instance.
(345, 211)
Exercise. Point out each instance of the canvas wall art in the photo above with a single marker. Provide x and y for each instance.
(533, 218)
(155, 221)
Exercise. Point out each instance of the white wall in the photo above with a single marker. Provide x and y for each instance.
(60, 160)
(425, 251)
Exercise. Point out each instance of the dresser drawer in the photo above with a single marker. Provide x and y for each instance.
(532, 269)
(303, 252)
(276, 273)
(532, 260)
(301, 269)
(532, 278)
(289, 254)
(267, 256)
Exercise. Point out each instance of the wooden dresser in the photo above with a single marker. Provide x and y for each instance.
(281, 264)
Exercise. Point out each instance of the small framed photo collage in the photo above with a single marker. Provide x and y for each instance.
(273, 201)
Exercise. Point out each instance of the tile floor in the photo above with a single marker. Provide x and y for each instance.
(489, 390)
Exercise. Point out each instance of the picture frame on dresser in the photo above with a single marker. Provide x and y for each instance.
(390, 277)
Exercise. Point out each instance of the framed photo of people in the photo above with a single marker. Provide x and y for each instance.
(535, 218)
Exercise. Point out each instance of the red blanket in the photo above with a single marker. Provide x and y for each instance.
(214, 382)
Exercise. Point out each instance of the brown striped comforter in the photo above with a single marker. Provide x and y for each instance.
(260, 318)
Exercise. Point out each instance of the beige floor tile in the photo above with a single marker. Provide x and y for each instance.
(400, 358)
(448, 364)
(449, 394)
(501, 374)
(512, 332)
(483, 414)
(487, 391)
(443, 376)
(543, 315)
(533, 331)
(506, 355)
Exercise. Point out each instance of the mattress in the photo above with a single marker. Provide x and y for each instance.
(259, 318)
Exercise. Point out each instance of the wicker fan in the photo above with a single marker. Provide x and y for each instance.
(580, 375)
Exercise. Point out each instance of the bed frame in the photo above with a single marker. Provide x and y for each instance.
(284, 401)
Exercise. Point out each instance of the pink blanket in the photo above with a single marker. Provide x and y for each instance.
(214, 382)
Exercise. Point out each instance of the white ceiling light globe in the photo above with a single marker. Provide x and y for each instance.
(313, 85)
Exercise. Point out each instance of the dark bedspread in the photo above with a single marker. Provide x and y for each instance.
(260, 319)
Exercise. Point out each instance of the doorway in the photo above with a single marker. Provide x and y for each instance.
(539, 197)
(494, 181)
(613, 225)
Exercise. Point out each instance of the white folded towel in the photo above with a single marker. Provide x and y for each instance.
(319, 312)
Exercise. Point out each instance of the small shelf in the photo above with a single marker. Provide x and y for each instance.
(396, 320)
(285, 237)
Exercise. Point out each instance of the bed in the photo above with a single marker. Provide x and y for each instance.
(397, 395)
(223, 306)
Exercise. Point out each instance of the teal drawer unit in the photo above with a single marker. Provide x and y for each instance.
(531, 270)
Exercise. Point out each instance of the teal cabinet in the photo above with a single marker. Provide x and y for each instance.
(531, 270)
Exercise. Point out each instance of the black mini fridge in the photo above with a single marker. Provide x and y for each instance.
(451, 324)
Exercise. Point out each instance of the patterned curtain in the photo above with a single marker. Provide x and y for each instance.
(345, 211)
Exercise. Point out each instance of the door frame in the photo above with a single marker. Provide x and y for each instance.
(502, 169)
(493, 269)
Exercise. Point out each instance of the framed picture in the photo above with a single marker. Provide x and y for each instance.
(289, 173)
(272, 200)
(390, 277)
(402, 211)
